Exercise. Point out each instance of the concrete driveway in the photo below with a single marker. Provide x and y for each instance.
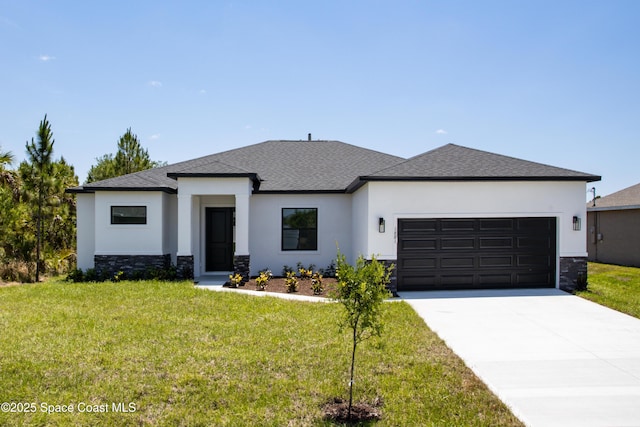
(555, 359)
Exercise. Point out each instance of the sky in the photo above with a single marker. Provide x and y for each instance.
(555, 82)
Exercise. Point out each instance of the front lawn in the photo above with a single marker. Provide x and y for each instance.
(615, 287)
(171, 354)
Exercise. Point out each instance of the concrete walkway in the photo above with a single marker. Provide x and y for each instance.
(555, 359)
(214, 286)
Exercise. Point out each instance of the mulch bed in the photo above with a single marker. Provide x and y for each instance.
(277, 284)
(337, 410)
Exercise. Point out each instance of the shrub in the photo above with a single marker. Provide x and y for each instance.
(91, 275)
(286, 270)
(153, 273)
(118, 276)
(330, 270)
(300, 266)
(76, 275)
(169, 273)
(235, 280)
(291, 282)
(266, 271)
(304, 273)
(137, 275)
(17, 271)
(262, 280)
(316, 283)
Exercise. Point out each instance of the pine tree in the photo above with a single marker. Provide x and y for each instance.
(131, 157)
(40, 153)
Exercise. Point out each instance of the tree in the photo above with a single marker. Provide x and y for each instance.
(361, 290)
(8, 177)
(131, 157)
(40, 154)
(9, 196)
(6, 158)
(104, 169)
(57, 212)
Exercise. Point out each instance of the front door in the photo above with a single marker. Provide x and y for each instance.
(219, 239)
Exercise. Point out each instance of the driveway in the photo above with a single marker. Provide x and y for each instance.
(555, 359)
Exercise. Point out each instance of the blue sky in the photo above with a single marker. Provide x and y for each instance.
(557, 82)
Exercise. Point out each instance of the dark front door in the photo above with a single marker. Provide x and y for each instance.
(219, 239)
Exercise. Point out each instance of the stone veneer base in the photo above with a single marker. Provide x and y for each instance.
(573, 273)
(241, 266)
(184, 267)
(109, 265)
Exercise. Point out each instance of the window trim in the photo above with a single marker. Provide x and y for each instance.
(282, 230)
(128, 223)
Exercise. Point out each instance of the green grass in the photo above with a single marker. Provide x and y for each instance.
(185, 356)
(615, 287)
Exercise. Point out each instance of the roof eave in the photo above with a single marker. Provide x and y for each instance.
(361, 180)
(176, 175)
(336, 191)
(88, 190)
(611, 208)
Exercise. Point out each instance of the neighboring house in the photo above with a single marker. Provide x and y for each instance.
(613, 228)
(451, 218)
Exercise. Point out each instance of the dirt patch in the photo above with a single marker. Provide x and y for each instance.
(6, 284)
(277, 284)
(337, 410)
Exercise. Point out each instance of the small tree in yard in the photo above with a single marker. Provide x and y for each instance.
(361, 290)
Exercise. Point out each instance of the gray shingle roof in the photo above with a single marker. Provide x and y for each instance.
(281, 166)
(461, 163)
(333, 166)
(294, 165)
(628, 198)
(150, 179)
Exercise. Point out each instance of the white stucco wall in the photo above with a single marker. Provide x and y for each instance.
(175, 224)
(85, 223)
(394, 200)
(169, 225)
(130, 239)
(360, 222)
(265, 228)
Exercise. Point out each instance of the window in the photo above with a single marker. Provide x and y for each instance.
(299, 229)
(128, 214)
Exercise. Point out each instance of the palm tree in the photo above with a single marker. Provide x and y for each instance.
(8, 177)
(6, 158)
(40, 154)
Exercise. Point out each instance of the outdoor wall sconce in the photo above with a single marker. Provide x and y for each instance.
(576, 223)
(381, 225)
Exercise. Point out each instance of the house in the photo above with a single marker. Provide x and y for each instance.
(451, 218)
(613, 228)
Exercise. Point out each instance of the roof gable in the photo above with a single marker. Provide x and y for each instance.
(628, 198)
(454, 162)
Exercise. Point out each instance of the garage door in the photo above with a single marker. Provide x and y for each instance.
(476, 253)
